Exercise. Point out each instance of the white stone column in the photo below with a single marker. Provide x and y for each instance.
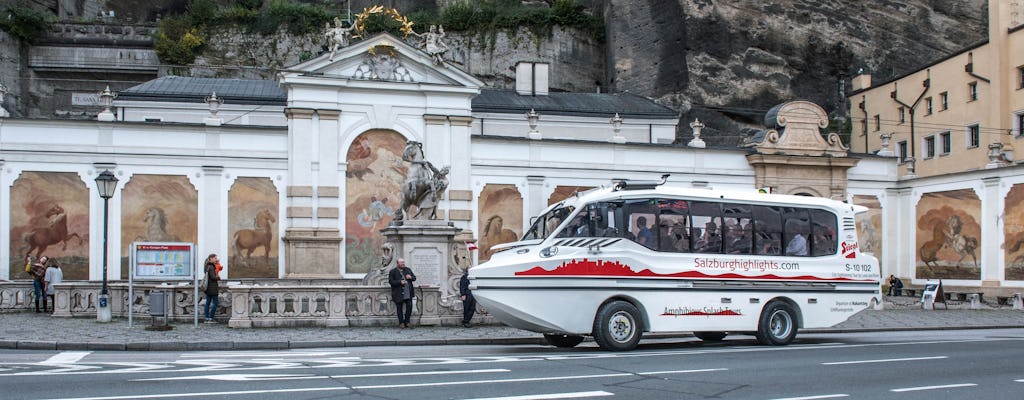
(326, 201)
(992, 207)
(897, 223)
(301, 151)
(535, 199)
(212, 230)
(460, 191)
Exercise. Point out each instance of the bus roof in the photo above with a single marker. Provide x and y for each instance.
(751, 197)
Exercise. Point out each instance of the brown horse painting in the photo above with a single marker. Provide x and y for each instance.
(495, 234)
(55, 232)
(251, 239)
(930, 249)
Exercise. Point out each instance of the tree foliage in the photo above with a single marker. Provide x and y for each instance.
(27, 23)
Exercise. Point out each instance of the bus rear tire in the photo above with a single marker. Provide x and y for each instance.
(564, 341)
(710, 336)
(617, 326)
(777, 325)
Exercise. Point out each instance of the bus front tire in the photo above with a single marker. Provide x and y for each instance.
(710, 336)
(565, 341)
(777, 325)
(617, 326)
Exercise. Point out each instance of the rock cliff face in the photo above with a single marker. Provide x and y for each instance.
(727, 62)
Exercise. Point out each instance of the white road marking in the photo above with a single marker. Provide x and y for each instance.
(823, 396)
(914, 389)
(367, 387)
(257, 354)
(255, 377)
(66, 357)
(884, 360)
(575, 395)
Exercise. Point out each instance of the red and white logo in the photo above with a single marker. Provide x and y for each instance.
(850, 250)
(471, 246)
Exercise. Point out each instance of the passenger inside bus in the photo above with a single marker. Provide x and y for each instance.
(710, 240)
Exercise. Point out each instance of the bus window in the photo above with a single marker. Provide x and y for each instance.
(767, 230)
(640, 217)
(796, 230)
(673, 226)
(707, 224)
(823, 233)
(595, 220)
(738, 229)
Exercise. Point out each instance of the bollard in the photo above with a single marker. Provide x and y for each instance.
(928, 302)
(1018, 303)
(975, 301)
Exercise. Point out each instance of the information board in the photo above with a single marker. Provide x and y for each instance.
(163, 261)
(935, 290)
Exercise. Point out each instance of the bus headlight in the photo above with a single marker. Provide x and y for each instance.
(549, 251)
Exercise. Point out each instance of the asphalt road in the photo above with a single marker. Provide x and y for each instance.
(948, 364)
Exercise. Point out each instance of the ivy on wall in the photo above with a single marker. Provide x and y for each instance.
(180, 39)
(27, 23)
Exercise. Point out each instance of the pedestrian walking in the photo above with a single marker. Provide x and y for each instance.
(39, 281)
(401, 278)
(53, 276)
(212, 291)
(468, 301)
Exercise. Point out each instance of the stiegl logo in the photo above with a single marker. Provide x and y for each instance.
(850, 250)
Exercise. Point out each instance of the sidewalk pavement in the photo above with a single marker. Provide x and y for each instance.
(43, 332)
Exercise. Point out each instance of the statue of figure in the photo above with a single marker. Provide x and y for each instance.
(424, 184)
(337, 36)
(3, 96)
(433, 43)
(379, 276)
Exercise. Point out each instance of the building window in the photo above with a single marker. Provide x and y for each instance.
(1019, 122)
(946, 142)
(1020, 77)
(864, 126)
(903, 115)
(973, 136)
(878, 123)
(903, 151)
(929, 147)
(944, 100)
(928, 106)
(972, 91)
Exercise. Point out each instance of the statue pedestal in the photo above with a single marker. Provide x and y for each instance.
(312, 253)
(426, 246)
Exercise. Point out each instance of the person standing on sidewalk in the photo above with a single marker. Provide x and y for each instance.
(53, 276)
(212, 271)
(39, 281)
(468, 301)
(401, 278)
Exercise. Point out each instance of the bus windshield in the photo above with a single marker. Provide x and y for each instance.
(547, 223)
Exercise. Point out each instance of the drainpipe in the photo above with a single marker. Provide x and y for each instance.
(927, 85)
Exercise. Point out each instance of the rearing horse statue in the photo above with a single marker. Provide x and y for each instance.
(423, 185)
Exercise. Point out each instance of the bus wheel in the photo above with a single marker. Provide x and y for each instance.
(566, 341)
(617, 326)
(710, 336)
(777, 325)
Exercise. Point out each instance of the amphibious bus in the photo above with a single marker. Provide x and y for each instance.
(637, 257)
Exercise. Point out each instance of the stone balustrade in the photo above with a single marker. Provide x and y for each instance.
(253, 304)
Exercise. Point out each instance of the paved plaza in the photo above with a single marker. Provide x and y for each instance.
(41, 331)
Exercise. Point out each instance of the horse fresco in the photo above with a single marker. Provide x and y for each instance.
(930, 249)
(157, 229)
(495, 234)
(251, 239)
(55, 232)
(424, 184)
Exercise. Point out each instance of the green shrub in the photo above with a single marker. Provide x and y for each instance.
(177, 41)
(24, 22)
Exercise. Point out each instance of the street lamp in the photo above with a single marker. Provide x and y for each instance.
(106, 183)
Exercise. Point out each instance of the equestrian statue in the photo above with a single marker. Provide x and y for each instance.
(424, 185)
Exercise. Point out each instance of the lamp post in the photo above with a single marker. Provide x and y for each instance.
(106, 182)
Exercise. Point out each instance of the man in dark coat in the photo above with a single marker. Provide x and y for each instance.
(401, 278)
(468, 301)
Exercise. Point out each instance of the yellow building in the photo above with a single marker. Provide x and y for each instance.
(962, 113)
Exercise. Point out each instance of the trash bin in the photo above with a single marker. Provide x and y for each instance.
(157, 309)
(157, 303)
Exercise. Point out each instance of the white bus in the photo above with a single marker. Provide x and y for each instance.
(638, 257)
